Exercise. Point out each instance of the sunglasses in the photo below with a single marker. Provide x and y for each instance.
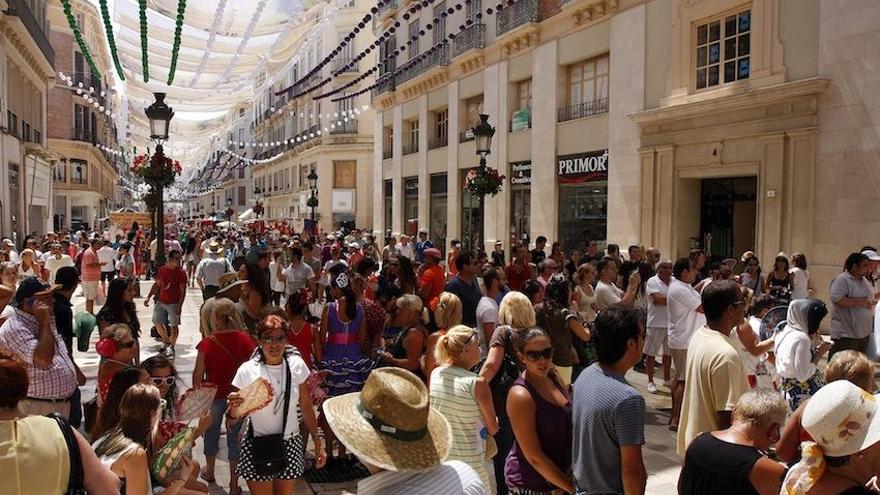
(534, 356)
(266, 339)
(160, 380)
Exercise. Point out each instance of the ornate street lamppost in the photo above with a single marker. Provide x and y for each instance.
(483, 181)
(313, 198)
(160, 115)
(258, 206)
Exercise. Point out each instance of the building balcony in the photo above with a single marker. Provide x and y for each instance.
(473, 37)
(84, 135)
(410, 148)
(20, 9)
(79, 180)
(581, 110)
(385, 84)
(516, 15)
(350, 127)
(387, 154)
(440, 58)
(387, 7)
(341, 62)
(438, 142)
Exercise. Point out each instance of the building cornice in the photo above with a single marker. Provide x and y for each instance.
(14, 30)
(753, 98)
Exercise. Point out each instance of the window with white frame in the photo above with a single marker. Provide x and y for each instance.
(588, 80)
(723, 46)
(442, 125)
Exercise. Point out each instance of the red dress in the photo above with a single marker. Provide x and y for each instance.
(303, 342)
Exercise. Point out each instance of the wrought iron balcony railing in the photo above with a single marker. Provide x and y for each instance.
(516, 15)
(474, 36)
(421, 65)
(350, 127)
(580, 110)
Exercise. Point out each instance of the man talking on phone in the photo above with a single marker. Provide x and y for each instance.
(30, 332)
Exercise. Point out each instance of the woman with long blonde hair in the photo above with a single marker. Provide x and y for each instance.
(446, 315)
(465, 400)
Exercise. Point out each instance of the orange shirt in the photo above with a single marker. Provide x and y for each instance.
(434, 278)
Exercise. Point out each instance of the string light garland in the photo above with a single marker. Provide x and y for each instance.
(77, 35)
(215, 25)
(178, 27)
(111, 39)
(142, 7)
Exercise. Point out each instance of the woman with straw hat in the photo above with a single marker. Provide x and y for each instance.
(844, 420)
(403, 441)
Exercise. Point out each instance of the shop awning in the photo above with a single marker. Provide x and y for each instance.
(247, 215)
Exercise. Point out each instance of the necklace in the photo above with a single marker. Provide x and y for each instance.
(278, 381)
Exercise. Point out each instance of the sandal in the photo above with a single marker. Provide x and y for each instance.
(202, 475)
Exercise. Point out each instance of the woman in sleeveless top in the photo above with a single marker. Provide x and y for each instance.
(447, 314)
(779, 280)
(408, 348)
(343, 333)
(539, 407)
(734, 461)
(35, 458)
(127, 448)
(464, 398)
(117, 347)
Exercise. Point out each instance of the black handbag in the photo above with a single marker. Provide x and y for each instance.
(76, 478)
(269, 454)
(508, 369)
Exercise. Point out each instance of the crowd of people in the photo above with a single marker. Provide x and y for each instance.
(461, 373)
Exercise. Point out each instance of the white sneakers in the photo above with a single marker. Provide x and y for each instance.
(652, 388)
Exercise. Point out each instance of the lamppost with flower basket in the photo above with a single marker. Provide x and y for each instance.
(483, 180)
(157, 170)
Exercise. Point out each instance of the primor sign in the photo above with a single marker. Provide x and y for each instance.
(583, 167)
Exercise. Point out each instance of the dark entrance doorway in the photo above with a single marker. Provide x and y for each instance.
(728, 213)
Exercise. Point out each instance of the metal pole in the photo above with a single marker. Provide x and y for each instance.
(160, 218)
(314, 226)
(482, 244)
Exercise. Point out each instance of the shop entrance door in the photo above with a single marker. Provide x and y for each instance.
(728, 216)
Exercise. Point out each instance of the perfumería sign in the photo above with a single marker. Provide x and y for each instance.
(583, 167)
(521, 173)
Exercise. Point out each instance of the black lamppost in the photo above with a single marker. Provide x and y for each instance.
(483, 133)
(258, 207)
(160, 115)
(313, 199)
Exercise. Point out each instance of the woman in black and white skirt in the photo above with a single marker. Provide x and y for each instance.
(268, 362)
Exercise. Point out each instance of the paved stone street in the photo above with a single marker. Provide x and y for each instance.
(659, 453)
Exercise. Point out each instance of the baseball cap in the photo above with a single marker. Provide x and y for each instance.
(871, 254)
(32, 287)
(433, 252)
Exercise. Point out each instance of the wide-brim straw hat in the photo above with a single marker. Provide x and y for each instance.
(390, 423)
(842, 418)
(215, 247)
(227, 281)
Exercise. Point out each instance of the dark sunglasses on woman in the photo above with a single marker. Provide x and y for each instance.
(538, 355)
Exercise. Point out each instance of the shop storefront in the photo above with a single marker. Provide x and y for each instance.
(583, 198)
(471, 218)
(520, 201)
(411, 205)
(437, 228)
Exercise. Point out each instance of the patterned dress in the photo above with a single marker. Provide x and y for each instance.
(345, 365)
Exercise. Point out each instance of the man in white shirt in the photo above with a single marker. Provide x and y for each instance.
(56, 260)
(361, 422)
(210, 269)
(608, 294)
(406, 248)
(487, 309)
(298, 275)
(8, 248)
(107, 258)
(685, 317)
(658, 323)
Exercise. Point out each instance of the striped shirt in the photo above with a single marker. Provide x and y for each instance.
(608, 413)
(449, 478)
(453, 395)
(20, 334)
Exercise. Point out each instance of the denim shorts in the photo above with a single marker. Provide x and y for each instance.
(212, 434)
(166, 314)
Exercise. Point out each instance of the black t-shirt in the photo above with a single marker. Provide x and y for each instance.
(714, 466)
(64, 320)
(470, 295)
(537, 256)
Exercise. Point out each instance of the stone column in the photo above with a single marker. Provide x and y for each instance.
(424, 177)
(378, 182)
(453, 185)
(544, 209)
(495, 103)
(626, 96)
(771, 191)
(397, 220)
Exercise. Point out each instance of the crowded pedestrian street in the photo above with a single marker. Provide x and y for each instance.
(439, 247)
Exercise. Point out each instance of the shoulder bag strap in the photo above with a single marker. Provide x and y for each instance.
(287, 388)
(222, 347)
(75, 482)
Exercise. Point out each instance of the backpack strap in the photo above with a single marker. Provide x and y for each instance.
(75, 484)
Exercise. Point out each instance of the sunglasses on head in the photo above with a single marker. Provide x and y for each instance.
(160, 380)
(268, 339)
(538, 355)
